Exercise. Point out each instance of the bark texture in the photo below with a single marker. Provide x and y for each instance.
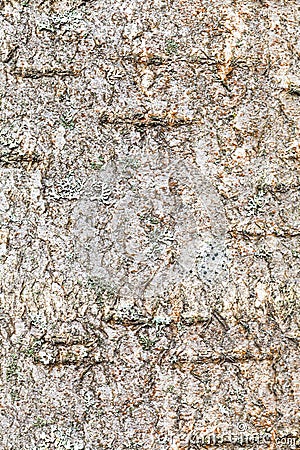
(149, 224)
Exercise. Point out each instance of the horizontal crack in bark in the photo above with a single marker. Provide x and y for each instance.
(148, 121)
(41, 73)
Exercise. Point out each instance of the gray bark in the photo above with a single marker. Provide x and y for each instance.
(149, 224)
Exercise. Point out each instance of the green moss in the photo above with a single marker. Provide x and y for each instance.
(171, 47)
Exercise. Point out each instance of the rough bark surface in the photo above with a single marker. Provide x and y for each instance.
(149, 224)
